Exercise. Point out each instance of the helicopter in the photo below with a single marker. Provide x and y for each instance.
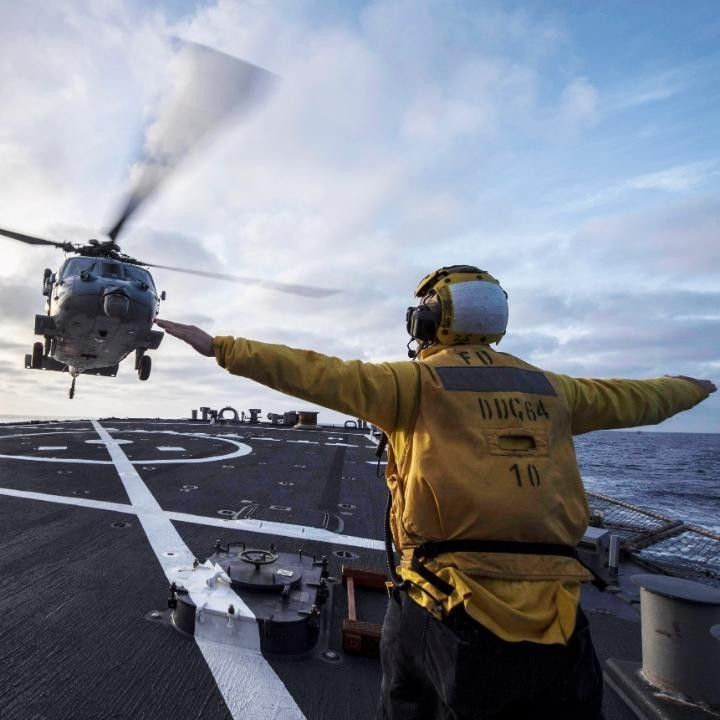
(101, 303)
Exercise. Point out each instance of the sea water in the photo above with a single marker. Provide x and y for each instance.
(676, 474)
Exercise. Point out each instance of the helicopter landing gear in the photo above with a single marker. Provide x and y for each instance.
(71, 392)
(37, 355)
(144, 367)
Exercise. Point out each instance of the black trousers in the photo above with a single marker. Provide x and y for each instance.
(456, 669)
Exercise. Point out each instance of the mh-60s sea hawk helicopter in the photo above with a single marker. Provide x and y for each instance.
(100, 307)
(101, 304)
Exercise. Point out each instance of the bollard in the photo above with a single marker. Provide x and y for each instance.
(194, 414)
(307, 420)
(254, 414)
(679, 655)
(614, 555)
(231, 410)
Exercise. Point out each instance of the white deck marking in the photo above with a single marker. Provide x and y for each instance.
(342, 444)
(305, 442)
(100, 442)
(170, 448)
(35, 458)
(267, 527)
(262, 527)
(67, 500)
(258, 694)
(52, 447)
(241, 449)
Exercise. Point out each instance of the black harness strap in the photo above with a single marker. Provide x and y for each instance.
(430, 549)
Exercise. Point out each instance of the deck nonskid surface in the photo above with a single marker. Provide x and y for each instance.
(82, 568)
(80, 572)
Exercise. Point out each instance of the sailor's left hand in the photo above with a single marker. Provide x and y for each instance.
(192, 335)
(707, 385)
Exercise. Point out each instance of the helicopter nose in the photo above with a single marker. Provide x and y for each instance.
(116, 305)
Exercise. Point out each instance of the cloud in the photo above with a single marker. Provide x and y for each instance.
(637, 334)
(579, 103)
(400, 137)
(679, 179)
(675, 243)
(651, 88)
(18, 301)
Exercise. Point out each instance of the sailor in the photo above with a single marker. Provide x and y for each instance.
(487, 500)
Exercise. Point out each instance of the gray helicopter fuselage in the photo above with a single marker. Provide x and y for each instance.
(99, 310)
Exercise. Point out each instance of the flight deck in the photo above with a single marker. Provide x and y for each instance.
(105, 525)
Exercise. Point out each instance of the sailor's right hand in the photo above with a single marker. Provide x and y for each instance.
(707, 385)
(192, 335)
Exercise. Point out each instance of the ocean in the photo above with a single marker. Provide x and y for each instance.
(676, 474)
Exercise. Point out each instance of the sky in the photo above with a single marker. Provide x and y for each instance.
(572, 149)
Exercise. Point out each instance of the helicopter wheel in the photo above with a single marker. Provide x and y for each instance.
(37, 355)
(144, 368)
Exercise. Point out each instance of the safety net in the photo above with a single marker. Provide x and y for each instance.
(666, 544)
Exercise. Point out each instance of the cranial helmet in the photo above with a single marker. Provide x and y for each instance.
(460, 304)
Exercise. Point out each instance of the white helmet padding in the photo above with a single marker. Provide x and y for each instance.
(478, 308)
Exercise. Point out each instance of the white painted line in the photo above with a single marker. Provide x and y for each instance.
(47, 432)
(52, 447)
(248, 695)
(240, 450)
(305, 442)
(100, 442)
(262, 527)
(342, 444)
(67, 500)
(267, 527)
(170, 448)
(266, 439)
(246, 677)
(78, 461)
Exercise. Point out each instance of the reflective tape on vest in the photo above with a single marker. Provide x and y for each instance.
(494, 379)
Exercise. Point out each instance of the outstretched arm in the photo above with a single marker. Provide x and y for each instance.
(611, 404)
(378, 392)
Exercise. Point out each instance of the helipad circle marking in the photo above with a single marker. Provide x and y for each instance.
(102, 442)
(241, 449)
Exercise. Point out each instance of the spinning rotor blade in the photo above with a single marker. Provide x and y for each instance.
(304, 290)
(31, 240)
(208, 86)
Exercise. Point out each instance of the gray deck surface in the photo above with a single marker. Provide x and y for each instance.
(76, 590)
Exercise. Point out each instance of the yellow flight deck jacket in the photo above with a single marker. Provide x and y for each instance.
(480, 447)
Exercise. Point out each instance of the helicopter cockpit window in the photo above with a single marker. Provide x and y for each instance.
(139, 275)
(113, 270)
(76, 265)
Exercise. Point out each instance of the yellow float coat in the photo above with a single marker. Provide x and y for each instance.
(515, 597)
